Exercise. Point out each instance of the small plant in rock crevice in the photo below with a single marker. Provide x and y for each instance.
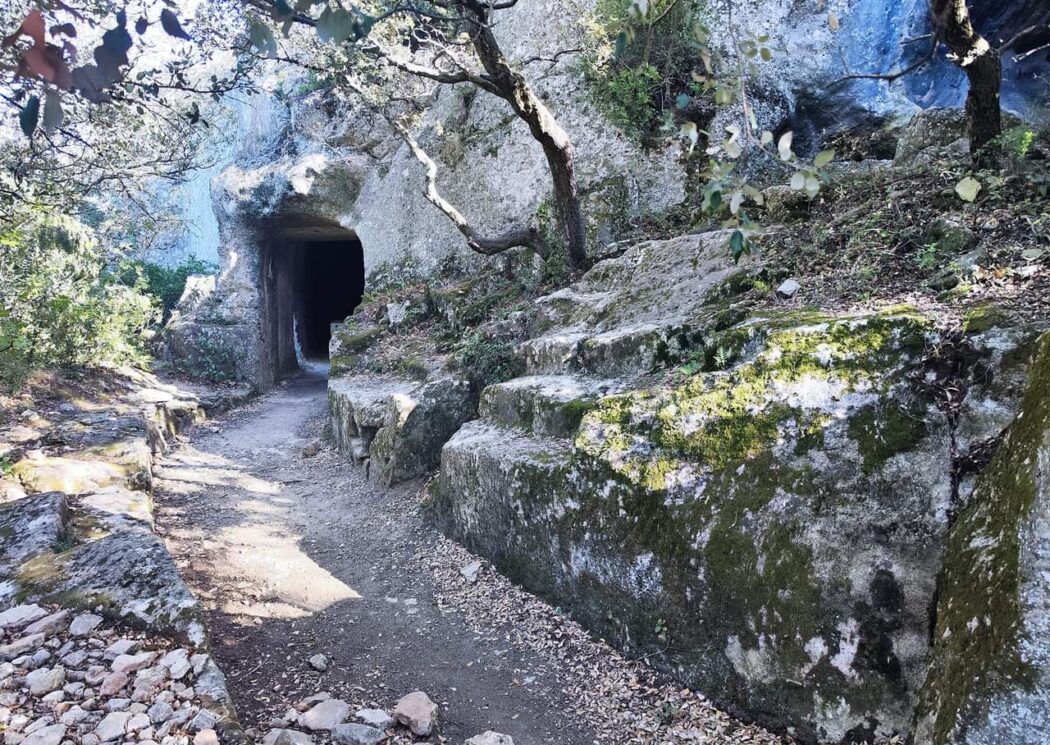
(489, 361)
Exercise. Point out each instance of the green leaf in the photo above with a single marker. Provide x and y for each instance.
(53, 114)
(282, 11)
(30, 116)
(798, 181)
(683, 101)
(335, 25)
(261, 37)
(738, 245)
(170, 23)
(823, 158)
(968, 189)
(620, 45)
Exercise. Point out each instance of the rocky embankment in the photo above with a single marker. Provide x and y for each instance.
(102, 639)
(73, 678)
(774, 504)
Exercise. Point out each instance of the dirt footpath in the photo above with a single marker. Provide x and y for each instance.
(295, 553)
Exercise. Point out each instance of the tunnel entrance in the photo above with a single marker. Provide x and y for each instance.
(331, 280)
(312, 279)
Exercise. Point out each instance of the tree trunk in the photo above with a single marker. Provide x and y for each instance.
(557, 147)
(983, 68)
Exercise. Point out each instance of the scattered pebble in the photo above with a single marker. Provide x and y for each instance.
(76, 681)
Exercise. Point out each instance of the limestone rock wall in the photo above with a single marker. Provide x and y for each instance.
(771, 523)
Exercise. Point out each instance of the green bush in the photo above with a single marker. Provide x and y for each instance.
(62, 302)
(637, 88)
(627, 97)
(167, 283)
(489, 361)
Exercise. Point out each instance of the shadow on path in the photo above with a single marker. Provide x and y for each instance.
(294, 553)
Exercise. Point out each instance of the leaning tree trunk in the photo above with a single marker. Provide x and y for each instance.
(983, 68)
(557, 146)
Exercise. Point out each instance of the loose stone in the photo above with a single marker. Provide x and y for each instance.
(286, 737)
(326, 715)
(51, 735)
(21, 615)
(491, 738)
(417, 712)
(375, 718)
(319, 663)
(113, 726)
(113, 684)
(357, 734)
(45, 680)
(84, 624)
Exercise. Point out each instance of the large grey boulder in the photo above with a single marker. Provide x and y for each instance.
(989, 679)
(398, 426)
(129, 573)
(30, 526)
(768, 523)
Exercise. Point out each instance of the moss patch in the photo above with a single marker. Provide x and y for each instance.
(979, 614)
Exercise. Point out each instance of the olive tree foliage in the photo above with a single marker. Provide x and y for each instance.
(102, 100)
(107, 96)
(448, 42)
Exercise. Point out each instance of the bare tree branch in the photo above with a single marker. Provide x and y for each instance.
(487, 245)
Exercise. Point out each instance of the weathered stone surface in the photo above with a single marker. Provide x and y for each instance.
(45, 680)
(18, 647)
(31, 526)
(49, 624)
(131, 571)
(989, 678)
(286, 737)
(50, 735)
(119, 508)
(84, 624)
(417, 712)
(43, 473)
(375, 718)
(403, 424)
(627, 312)
(20, 616)
(326, 715)
(490, 738)
(319, 662)
(357, 734)
(783, 511)
(113, 726)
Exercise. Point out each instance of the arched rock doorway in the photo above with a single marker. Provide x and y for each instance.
(312, 277)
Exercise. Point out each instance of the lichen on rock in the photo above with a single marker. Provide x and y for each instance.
(988, 678)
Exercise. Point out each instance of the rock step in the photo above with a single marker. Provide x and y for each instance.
(485, 462)
(621, 352)
(31, 526)
(397, 426)
(546, 405)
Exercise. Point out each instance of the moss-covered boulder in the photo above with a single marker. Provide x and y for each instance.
(397, 426)
(989, 679)
(770, 529)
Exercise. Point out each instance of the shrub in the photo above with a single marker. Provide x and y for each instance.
(489, 361)
(168, 283)
(637, 88)
(62, 302)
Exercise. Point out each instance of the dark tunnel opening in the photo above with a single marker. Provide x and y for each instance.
(331, 281)
(310, 281)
